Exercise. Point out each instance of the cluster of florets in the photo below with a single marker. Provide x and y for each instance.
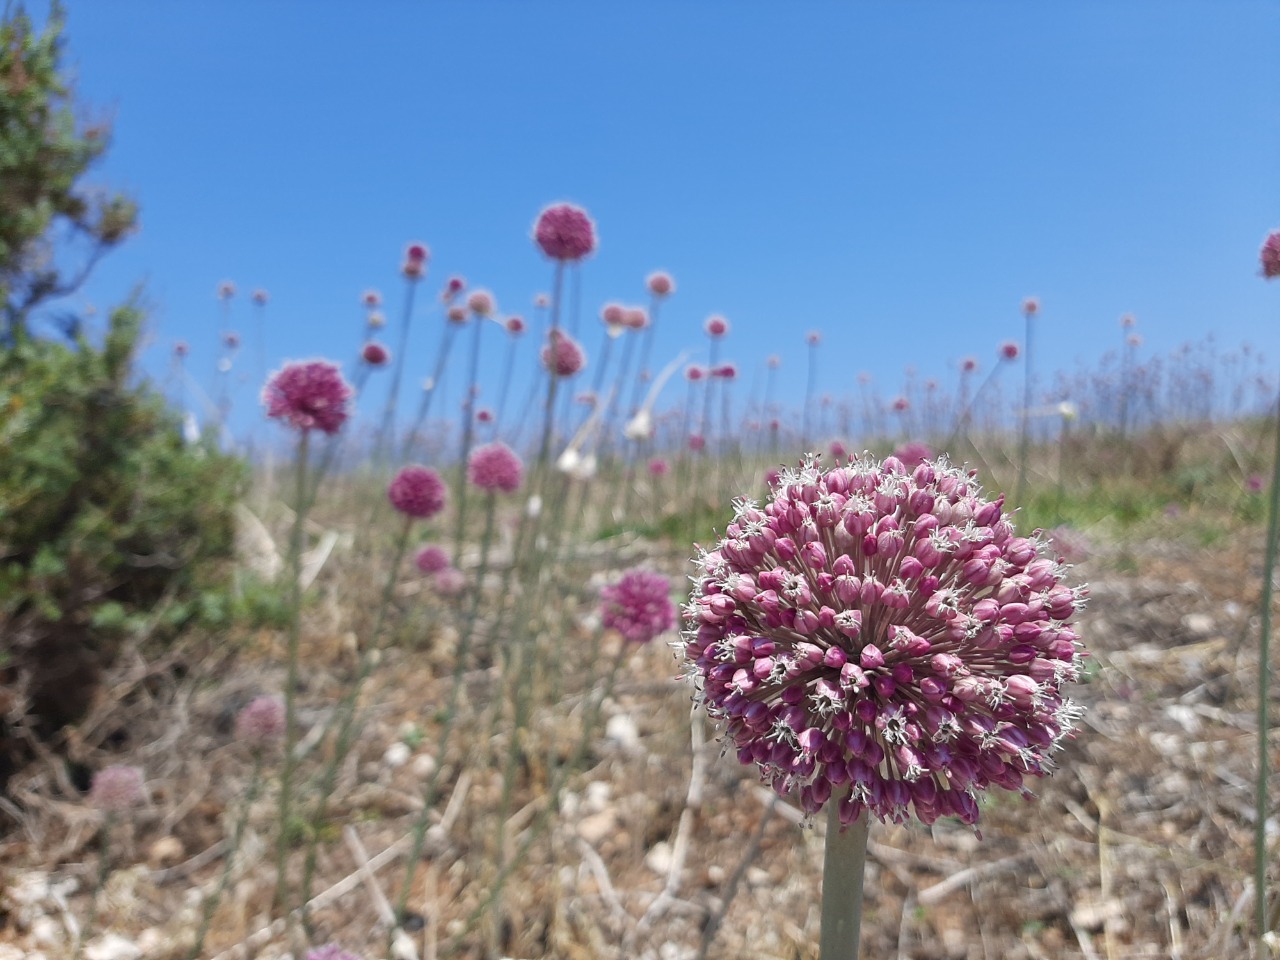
(565, 233)
(638, 606)
(116, 788)
(562, 355)
(308, 395)
(884, 633)
(262, 721)
(1269, 255)
(417, 492)
(495, 467)
(375, 354)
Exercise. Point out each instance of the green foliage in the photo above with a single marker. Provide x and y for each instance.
(106, 517)
(44, 153)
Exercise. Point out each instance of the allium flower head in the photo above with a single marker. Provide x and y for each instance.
(564, 232)
(375, 354)
(226, 290)
(1030, 306)
(697, 442)
(330, 951)
(181, 348)
(901, 404)
(495, 467)
(116, 788)
(261, 721)
(886, 632)
(913, 453)
(773, 361)
(969, 364)
(515, 325)
(659, 467)
(542, 301)
(694, 373)
(457, 314)
(726, 371)
(660, 284)
(452, 288)
(813, 338)
(638, 606)
(231, 340)
(612, 314)
(431, 559)
(1269, 255)
(1134, 340)
(1009, 350)
(449, 582)
(259, 296)
(417, 491)
(562, 355)
(416, 253)
(371, 298)
(308, 395)
(637, 318)
(480, 302)
(716, 326)
(1127, 321)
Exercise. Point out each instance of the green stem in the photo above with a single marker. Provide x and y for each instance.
(291, 682)
(211, 901)
(1264, 676)
(1024, 438)
(844, 858)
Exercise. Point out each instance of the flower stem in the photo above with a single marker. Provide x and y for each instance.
(842, 872)
(1264, 675)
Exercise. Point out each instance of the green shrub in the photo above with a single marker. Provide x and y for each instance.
(108, 521)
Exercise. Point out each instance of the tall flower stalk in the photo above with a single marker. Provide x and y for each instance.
(1269, 258)
(1030, 308)
(414, 269)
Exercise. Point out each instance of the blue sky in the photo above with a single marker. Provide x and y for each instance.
(897, 175)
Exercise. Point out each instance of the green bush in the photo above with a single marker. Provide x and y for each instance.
(108, 521)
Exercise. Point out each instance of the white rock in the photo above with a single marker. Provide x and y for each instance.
(111, 946)
(397, 755)
(658, 859)
(424, 765)
(596, 796)
(1200, 624)
(46, 931)
(622, 730)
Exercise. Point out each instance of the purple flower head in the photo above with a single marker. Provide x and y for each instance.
(1254, 483)
(638, 606)
(969, 364)
(181, 348)
(331, 951)
(562, 354)
(495, 467)
(660, 284)
(226, 290)
(480, 302)
(564, 232)
(1269, 255)
(1030, 306)
(813, 338)
(308, 395)
(515, 325)
(371, 298)
(1070, 545)
(260, 296)
(884, 636)
(659, 467)
(375, 354)
(262, 721)
(450, 581)
(1009, 350)
(417, 492)
(913, 453)
(431, 559)
(116, 788)
(716, 326)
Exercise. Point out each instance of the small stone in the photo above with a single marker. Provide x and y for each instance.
(165, 852)
(597, 827)
(111, 946)
(596, 796)
(658, 859)
(424, 765)
(1198, 624)
(397, 755)
(622, 730)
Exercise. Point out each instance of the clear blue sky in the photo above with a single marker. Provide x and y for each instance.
(899, 175)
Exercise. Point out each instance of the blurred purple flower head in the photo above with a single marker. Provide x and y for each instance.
(417, 491)
(658, 467)
(457, 314)
(1070, 545)
(116, 788)
(901, 404)
(813, 338)
(660, 284)
(431, 559)
(308, 395)
(773, 361)
(716, 326)
(374, 354)
(886, 633)
(181, 349)
(416, 253)
(495, 467)
(969, 364)
(726, 371)
(637, 318)
(562, 355)
(837, 450)
(1254, 483)
(449, 582)
(613, 314)
(331, 951)
(697, 442)
(226, 290)
(1269, 255)
(1127, 321)
(694, 373)
(231, 340)
(261, 721)
(638, 606)
(452, 288)
(259, 296)
(564, 232)
(1009, 350)
(480, 302)
(371, 298)
(1030, 306)
(515, 325)
(542, 301)
(913, 453)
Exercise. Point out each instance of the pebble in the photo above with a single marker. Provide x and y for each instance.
(111, 946)
(165, 852)
(397, 755)
(622, 730)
